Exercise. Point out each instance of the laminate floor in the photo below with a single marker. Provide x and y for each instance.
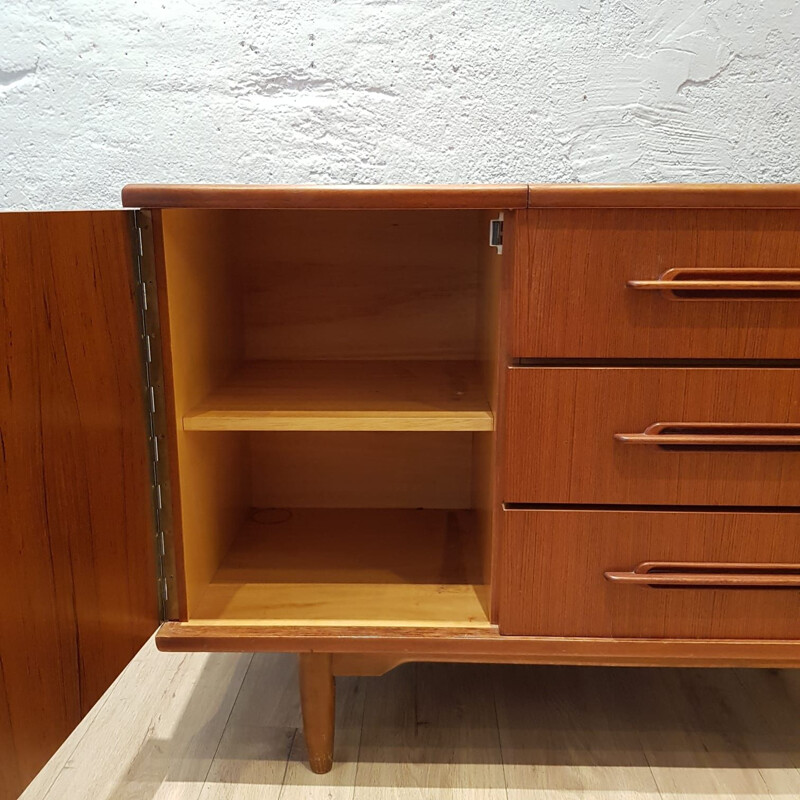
(225, 727)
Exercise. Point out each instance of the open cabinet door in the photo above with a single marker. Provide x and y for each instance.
(78, 590)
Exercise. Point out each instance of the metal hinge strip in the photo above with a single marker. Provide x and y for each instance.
(156, 422)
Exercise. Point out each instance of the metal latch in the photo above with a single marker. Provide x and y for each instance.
(496, 233)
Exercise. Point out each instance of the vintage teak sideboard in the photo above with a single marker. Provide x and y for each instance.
(372, 425)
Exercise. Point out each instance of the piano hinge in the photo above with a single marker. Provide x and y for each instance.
(155, 405)
(496, 233)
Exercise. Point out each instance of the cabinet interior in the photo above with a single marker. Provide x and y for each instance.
(332, 378)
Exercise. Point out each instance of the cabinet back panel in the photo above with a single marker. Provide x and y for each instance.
(361, 470)
(359, 285)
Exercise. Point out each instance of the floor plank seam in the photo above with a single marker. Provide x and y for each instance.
(86, 725)
(649, 765)
(499, 734)
(94, 711)
(289, 752)
(224, 728)
(360, 737)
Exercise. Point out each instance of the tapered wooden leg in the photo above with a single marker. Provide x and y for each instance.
(318, 701)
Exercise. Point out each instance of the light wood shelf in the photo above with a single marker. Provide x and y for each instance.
(347, 396)
(385, 567)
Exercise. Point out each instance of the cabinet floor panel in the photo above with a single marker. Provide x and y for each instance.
(347, 396)
(350, 567)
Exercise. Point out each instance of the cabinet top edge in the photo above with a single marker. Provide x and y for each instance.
(665, 195)
(475, 197)
(468, 196)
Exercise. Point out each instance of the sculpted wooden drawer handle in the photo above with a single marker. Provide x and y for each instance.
(709, 574)
(725, 284)
(745, 436)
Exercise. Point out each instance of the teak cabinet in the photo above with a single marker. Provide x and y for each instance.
(532, 424)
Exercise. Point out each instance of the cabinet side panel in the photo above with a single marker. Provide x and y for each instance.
(77, 563)
(201, 341)
(493, 301)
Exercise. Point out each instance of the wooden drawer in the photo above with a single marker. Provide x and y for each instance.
(572, 573)
(572, 297)
(574, 435)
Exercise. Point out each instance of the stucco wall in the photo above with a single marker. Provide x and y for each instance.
(97, 94)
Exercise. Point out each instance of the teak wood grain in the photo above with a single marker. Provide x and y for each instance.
(479, 196)
(77, 567)
(557, 565)
(562, 423)
(573, 297)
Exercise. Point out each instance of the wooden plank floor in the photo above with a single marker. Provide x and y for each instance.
(224, 727)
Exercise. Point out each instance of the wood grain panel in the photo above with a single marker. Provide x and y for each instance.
(560, 445)
(77, 567)
(571, 299)
(326, 197)
(554, 563)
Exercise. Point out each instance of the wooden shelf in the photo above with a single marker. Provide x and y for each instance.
(385, 567)
(347, 396)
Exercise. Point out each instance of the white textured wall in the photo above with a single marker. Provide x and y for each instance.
(98, 93)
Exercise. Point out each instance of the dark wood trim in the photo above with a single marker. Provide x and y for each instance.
(666, 195)
(326, 197)
(478, 645)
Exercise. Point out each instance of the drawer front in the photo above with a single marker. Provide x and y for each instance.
(655, 435)
(585, 573)
(739, 273)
